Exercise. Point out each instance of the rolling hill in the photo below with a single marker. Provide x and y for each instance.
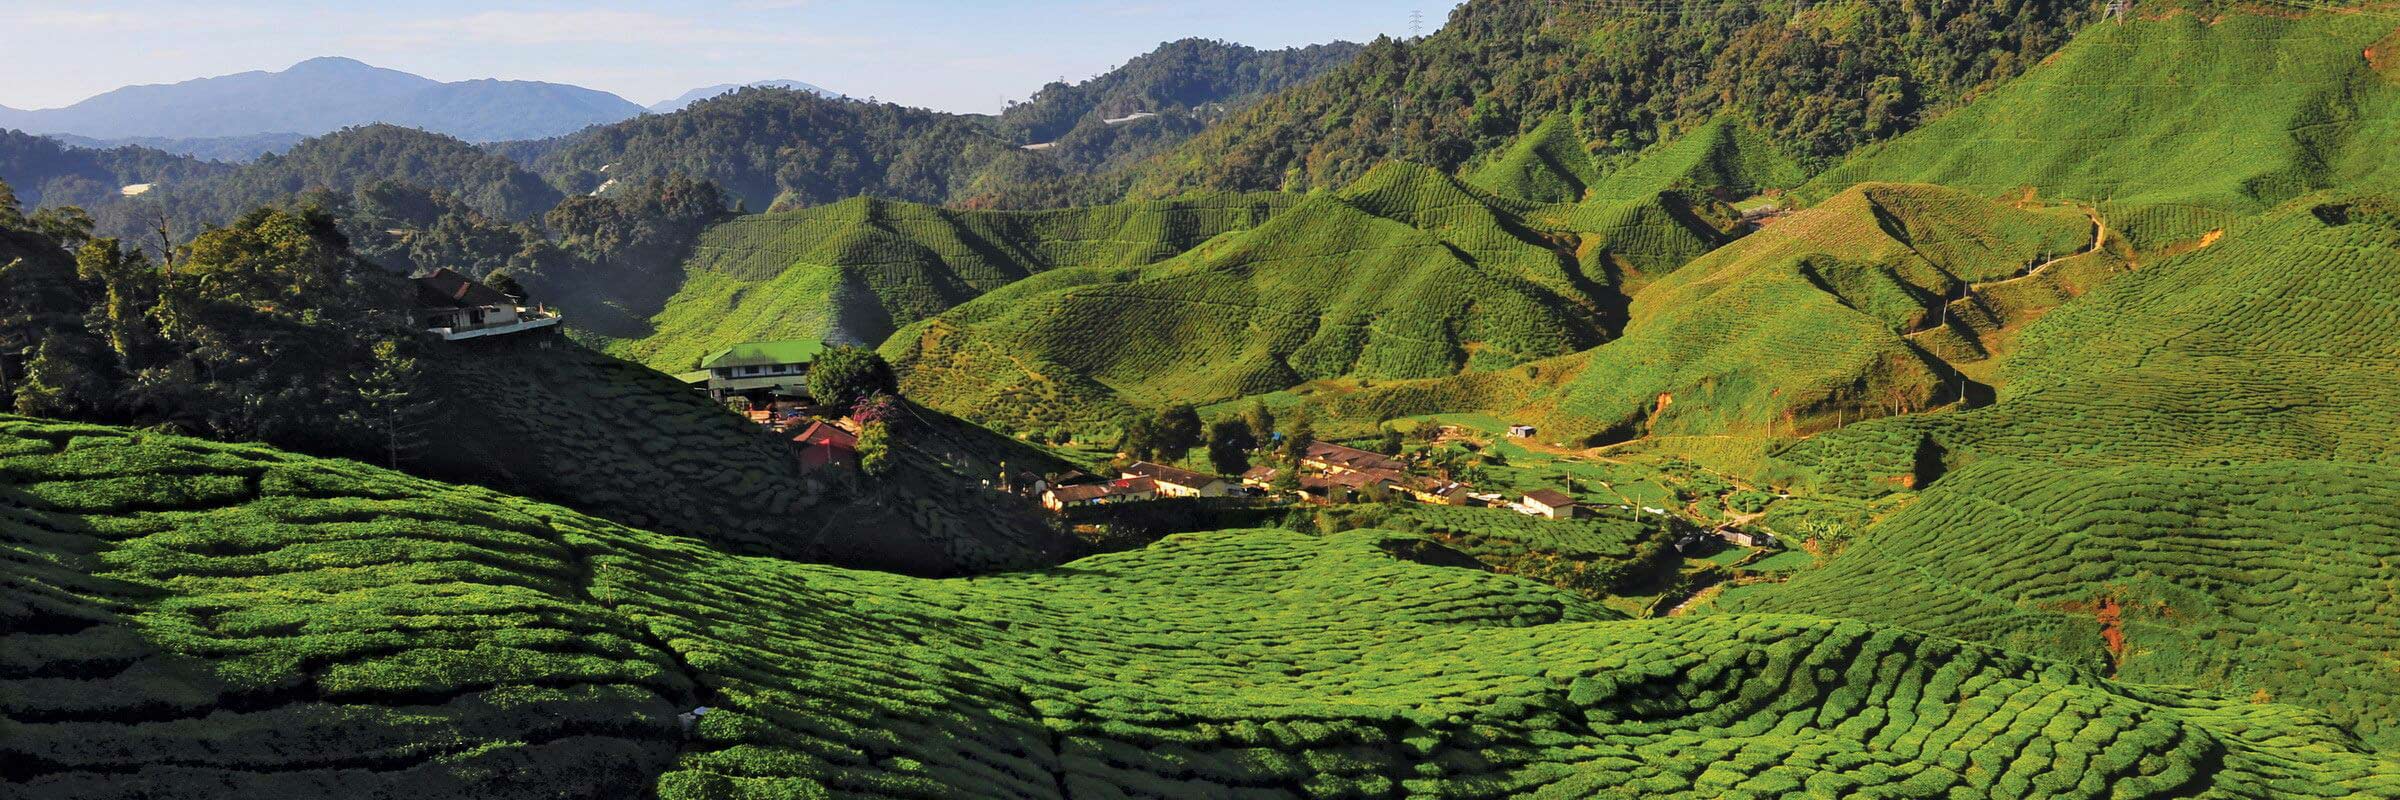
(1407, 274)
(193, 618)
(858, 270)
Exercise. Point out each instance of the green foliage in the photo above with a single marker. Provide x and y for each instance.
(1229, 444)
(776, 148)
(843, 376)
(875, 449)
(470, 644)
(1823, 78)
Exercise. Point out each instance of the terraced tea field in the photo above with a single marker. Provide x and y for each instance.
(193, 619)
(857, 270)
(617, 440)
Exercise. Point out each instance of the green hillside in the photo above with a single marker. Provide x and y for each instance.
(1830, 315)
(1548, 164)
(1406, 274)
(2203, 446)
(550, 420)
(858, 270)
(2179, 121)
(194, 619)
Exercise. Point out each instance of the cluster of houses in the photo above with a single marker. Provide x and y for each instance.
(1137, 482)
(1329, 473)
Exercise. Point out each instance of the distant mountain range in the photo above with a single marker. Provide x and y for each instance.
(706, 92)
(240, 116)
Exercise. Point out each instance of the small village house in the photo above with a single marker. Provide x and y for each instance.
(822, 445)
(452, 306)
(1520, 431)
(1123, 490)
(1175, 482)
(772, 369)
(1549, 503)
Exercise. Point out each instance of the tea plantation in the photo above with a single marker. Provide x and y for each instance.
(546, 418)
(188, 619)
(1405, 274)
(1825, 317)
(854, 271)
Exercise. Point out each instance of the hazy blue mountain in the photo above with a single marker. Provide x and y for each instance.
(322, 95)
(706, 92)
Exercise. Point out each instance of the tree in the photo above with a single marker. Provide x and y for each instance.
(1177, 431)
(12, 213)
(66, 377)
(844, 375)
(875, 449)
(1302, 434)
(503, 282)
(1229, 444)
(1261, 422)
(1391, 442)
(394, 410)
(1140, 439)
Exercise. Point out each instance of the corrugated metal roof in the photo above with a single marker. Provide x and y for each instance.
(761, 354)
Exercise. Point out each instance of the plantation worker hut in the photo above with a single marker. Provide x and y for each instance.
(1549, 503)
(1176, 482)
(823, 445)
(454, 307)
(1261, 476)
(761, 369)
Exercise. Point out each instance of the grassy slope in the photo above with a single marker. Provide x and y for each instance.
(618, 440)
(193, 619)
(1812, 320)
(856, 270)
(1407, 274)
(2177, 122)
(2207, 442)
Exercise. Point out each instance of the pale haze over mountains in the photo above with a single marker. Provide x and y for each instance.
(239, 116)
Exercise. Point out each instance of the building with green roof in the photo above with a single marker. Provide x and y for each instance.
(774, 368)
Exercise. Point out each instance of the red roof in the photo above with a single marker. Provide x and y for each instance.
(445, 288)
(819, 434)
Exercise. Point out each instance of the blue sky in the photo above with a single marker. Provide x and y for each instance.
(955, 56)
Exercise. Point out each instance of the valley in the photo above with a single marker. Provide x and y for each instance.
(1700, 399)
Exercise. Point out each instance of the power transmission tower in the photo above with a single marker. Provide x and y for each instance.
(2117, 9)
(1416, 23)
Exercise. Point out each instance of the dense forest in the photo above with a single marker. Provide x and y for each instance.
(784, 148)
(1823, 78)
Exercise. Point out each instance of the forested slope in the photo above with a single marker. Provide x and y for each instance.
(2177, 120)
(1822, 78)
(190, 619)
